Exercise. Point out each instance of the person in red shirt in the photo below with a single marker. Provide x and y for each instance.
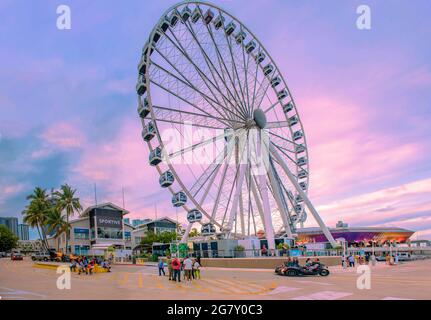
(176, 266)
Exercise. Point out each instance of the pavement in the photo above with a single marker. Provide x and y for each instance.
(410, 280)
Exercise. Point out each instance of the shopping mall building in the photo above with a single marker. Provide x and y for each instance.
(102, 226)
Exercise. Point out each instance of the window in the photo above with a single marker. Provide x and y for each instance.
(80, 233)
(127, 235)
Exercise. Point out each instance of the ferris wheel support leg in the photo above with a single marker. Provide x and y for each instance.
(304, 196)
(186, 233)
(269, 230)
(281, 207)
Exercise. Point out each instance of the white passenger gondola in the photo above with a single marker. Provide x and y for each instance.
(297, 135)
(209, 15)
(282, 94)
(275, 82)
(194, 216)
(166, 179)
(230, 28)
(298, 208)
(174, 19)
(303, 185)
(302, 174)
(250, 46)
(196, 15)
(288, 107)
(269, 68)
(260, 57)
(142, 67)
(164, 25)
(143, 108)
(298, 199)
(179, 199)
(300, 148)
(218, 22)
(149, 132)
(208, 229)
(186, 13)
(293, 120)
(240, 36)
(156, 37)
(141, 86)
(155, 156)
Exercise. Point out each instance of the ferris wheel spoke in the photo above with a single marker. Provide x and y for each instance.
(191, 86)
(221, 62)
(189, 103)
(277, 124)
(229, 41)
(175, 113)
(282, 151)
(220, 188)
(208, 173)
(275, 183)
(209, 62)
(195, 146)
(283, 138)
(273, 106)
(204, 77)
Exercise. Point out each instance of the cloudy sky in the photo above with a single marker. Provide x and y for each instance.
(68, 105)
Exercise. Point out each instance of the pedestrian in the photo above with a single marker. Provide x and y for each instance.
(176, 266)
(396, 258)
(197, 269)
(170, 270)
(264, 251)
(161, 267)
(351, 261)
(188, 267)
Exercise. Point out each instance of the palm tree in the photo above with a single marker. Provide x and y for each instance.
(36, 212)
(67, 201)
(55, 221)
(35, 215)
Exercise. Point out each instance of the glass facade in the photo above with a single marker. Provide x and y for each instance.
(109, 233)
(81, 250)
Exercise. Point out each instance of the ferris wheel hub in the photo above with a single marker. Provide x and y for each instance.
(259, 118)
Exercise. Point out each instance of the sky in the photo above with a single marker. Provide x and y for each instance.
(68, 103)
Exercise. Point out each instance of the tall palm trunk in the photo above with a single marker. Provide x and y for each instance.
(67, 232)
(45, 240)
(40, 236)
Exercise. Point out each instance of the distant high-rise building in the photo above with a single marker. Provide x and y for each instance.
(126, 220)
(11, 223)
(138, 222)
(23, 231)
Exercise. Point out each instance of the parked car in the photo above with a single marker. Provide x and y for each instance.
(3, 254)
(41, 256)
(16, 256)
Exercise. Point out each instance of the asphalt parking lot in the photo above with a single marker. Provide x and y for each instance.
(410, 280)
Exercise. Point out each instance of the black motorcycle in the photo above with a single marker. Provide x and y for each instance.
(314, 269)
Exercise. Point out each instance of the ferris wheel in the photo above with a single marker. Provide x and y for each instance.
(222, 127)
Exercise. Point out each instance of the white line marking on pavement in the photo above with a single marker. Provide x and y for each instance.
(324, 295)
(314, 282)
(394, 298)
(281, 289)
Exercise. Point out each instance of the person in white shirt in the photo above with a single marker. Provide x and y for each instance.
(188, 267)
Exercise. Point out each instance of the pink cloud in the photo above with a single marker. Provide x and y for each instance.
(63, 135)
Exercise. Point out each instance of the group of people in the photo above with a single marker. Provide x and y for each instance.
(351, 260)
(190, 268)
(84, 265)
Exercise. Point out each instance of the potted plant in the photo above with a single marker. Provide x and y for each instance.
(239, 251)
